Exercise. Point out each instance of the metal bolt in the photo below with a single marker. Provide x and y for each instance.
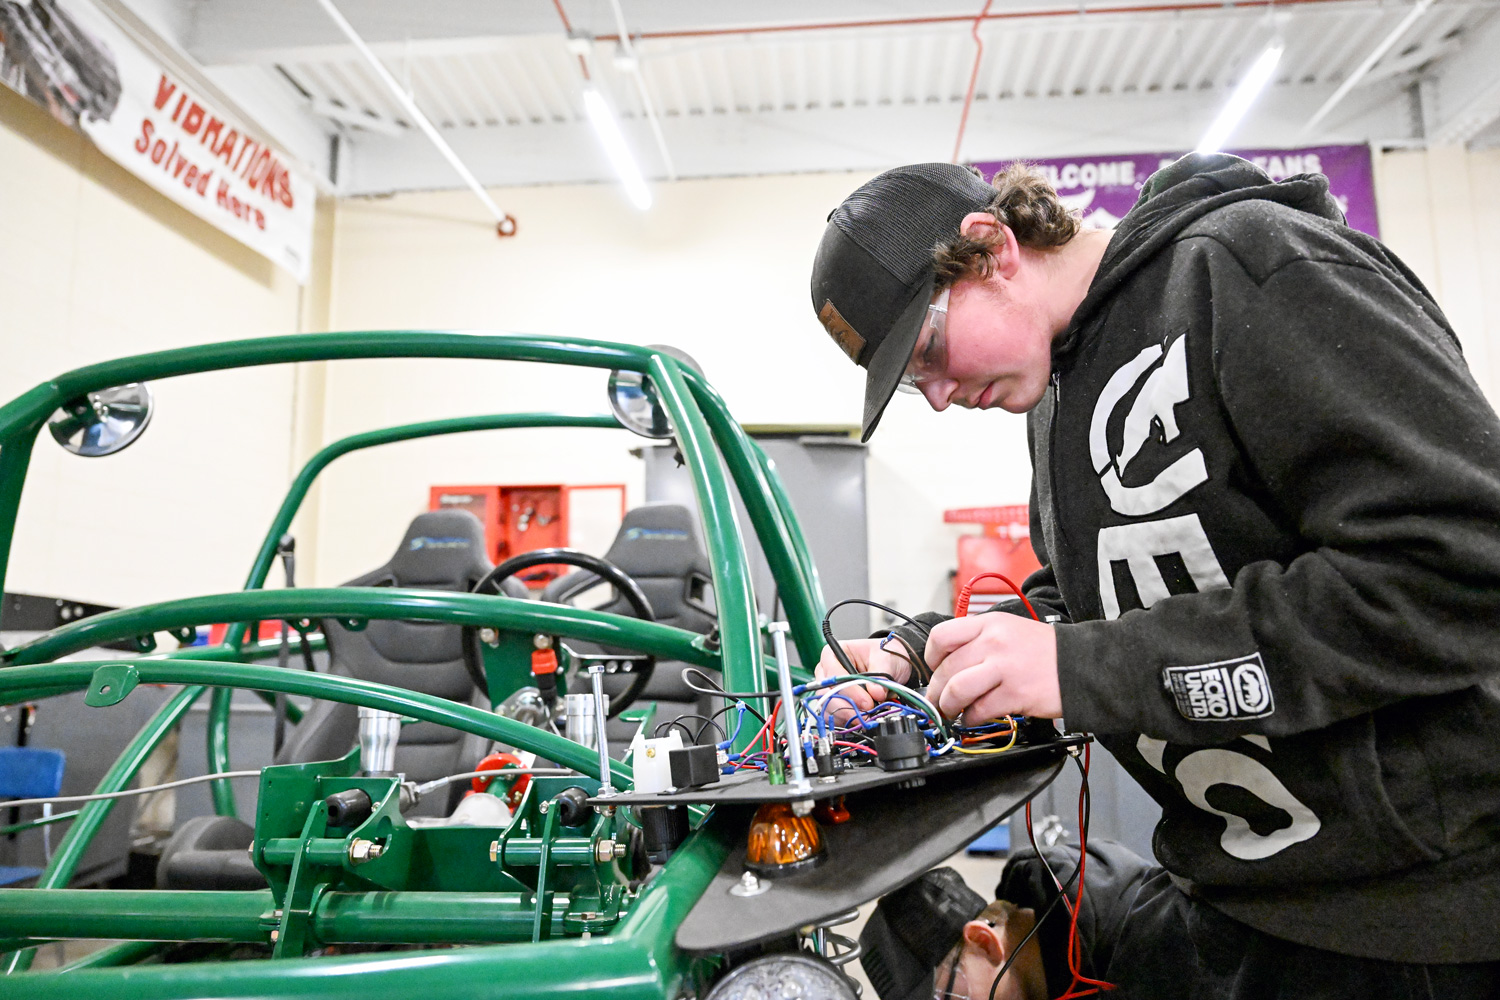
(494, 851)
(274, 936)
(802, 807)
(361, 850)
(544, 806)
(620, 849)
(542, 641)
(749, 885)
(488, 636)
(604, 850)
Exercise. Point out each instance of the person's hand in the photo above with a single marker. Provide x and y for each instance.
(990, 665)
(868, 658)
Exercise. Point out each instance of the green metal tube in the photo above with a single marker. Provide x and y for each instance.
(795, 537)
(739, 632)
(39, 821)
(339, 917)
(33, 408)
(329, 851)
(218, 750)
(637, 961)
(124, 953)
(141, 914)
(76, 841)
(414, 917)
(330, 687)
(297, 493)
(563, 851)
(15, 457)
(771, 516)
(480, 610)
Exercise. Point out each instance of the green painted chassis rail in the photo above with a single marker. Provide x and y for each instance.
(637, 959)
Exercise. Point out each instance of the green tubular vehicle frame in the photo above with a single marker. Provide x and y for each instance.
(633, 958)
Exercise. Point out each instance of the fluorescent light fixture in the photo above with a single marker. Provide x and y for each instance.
(613, 142)
(1244, 95)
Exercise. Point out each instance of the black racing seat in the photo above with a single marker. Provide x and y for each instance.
(442, 550)
(657, 546)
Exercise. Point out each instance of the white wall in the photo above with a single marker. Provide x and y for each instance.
(94, 265)
(1440, 211)
(717, 267)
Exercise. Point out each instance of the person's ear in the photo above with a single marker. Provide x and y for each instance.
(1007, 250)
(985, 936)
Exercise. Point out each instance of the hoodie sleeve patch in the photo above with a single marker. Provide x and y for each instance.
(1226, 691)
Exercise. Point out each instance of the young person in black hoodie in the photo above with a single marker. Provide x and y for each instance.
(1266, 500)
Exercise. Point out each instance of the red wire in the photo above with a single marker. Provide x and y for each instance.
(767, 731)
(962, 607)
(1074, 950)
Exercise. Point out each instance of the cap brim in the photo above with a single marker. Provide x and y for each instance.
(890, 359)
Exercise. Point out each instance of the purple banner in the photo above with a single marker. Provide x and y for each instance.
(1103, 188)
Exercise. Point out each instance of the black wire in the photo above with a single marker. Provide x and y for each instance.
(1064, 886)
(718, 689)
(690, 734)
(838, 650)
(738, 704)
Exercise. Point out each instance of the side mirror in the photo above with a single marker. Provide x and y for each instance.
(633, 398)
(103, 422)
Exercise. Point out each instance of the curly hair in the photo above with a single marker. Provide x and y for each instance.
(1025, 202)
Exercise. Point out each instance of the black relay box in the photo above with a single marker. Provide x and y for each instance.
(694, 766)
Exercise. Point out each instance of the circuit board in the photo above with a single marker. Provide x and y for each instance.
(892, 835)
(755, 787)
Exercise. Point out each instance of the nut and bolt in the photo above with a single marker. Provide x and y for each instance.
(749, 885)
(489, 636)
(494, 851)
(604, 850)
(362, 850)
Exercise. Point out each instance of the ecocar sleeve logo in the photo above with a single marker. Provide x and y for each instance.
(1222, 692)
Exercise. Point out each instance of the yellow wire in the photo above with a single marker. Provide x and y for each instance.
(1013, 733)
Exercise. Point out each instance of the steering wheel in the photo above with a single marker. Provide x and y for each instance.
(608, 572)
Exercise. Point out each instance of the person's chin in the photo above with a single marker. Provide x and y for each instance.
(1016, 401)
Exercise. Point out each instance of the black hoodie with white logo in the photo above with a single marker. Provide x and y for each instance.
(1267, 498)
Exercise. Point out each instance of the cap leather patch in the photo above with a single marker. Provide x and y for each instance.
(848, 339)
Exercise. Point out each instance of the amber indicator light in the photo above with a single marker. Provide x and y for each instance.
(781, 842)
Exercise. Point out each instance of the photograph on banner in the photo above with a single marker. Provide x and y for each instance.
(66, 56)
(1103, 188)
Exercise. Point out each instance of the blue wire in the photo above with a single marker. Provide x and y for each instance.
(738, 721)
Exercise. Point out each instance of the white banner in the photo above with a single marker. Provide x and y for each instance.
(68, 57)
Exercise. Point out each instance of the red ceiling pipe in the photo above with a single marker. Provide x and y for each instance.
(963, 120)
(1158, 8)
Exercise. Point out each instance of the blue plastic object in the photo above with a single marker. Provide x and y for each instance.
(994, 841)
(30, 772)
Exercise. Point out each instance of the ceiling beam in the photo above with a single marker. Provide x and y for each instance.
(266, 31)
(1467, 89)
(870, 137)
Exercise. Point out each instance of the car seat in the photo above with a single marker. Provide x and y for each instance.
(658, 546)
(442, 550)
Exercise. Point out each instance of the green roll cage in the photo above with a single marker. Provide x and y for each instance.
(634, 958)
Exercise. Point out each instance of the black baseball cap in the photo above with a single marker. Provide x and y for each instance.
(873, 276)
(912, 929)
